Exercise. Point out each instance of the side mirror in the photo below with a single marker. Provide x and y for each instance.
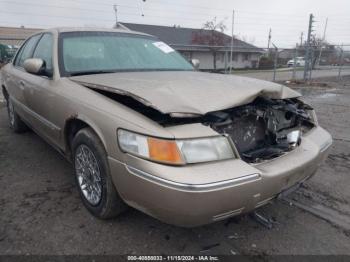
(36, 66)
(195, 63)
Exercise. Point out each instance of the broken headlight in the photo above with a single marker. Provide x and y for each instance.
(176, 152)
(205, 149)
(313, 117)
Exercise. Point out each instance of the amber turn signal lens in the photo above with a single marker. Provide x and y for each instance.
(164, 151)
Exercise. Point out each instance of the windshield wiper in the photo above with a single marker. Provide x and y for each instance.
(92, 72)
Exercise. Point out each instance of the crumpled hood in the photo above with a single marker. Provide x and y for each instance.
(186, 92)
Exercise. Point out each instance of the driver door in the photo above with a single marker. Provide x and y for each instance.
(40, 93)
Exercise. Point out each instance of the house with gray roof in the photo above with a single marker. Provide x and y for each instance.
(204, 45)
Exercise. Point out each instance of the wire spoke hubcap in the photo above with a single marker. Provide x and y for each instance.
(11, 111)
(88, 174)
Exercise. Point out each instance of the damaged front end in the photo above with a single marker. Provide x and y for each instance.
(265, 128)
(261, 130)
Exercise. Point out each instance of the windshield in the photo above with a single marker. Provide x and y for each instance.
(102, 52)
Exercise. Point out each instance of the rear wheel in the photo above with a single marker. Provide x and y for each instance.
(16, 124)
(93, 177)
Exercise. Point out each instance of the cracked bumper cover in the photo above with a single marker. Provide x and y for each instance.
(200, 194)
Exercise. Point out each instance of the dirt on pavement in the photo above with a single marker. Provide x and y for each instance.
(41, 213)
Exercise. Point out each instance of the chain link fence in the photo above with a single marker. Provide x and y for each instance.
(289, 64)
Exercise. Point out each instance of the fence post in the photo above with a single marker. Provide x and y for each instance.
(295, 63)
(312, 62)
(340, 62)
(275, 63)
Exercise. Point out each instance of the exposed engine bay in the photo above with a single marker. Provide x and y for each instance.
(262, 130)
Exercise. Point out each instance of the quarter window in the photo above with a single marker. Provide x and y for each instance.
(19, 53)
(44, 50)
(27, 50)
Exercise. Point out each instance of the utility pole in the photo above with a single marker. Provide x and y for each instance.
(231, 54)
(301, 38)
(295, 62)
(312, 59)
(115, 7)
(268, 42)
(142, 10)
(307, 53)
(275, 62)
(340, 62)
(323, 39)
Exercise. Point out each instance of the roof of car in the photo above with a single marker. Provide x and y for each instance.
(93, 29)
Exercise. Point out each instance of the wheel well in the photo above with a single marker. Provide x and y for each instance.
(5, 93)
(71, 129)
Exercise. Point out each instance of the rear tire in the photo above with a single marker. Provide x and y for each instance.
(93, 177)
(16, 124)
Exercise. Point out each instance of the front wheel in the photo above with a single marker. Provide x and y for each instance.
(16, 123)
(93, 177)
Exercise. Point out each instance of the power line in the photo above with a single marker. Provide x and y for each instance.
(156, 10)
(131, 14)
(55, 6)
(266, 19)
(57, 16)
(109, 4)
(104, 11)
(244, 18)
(156, 16)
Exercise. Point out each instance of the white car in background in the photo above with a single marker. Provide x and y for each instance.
(300, 61)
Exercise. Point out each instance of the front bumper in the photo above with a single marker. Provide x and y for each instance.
(200, 194)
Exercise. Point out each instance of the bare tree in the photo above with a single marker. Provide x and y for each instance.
(250, 40)
(212, 35)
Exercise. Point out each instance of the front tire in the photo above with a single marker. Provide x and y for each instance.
(16, 124)
(93, 177)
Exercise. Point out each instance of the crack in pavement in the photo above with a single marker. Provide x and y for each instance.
(328, 214)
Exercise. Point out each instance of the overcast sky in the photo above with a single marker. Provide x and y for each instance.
(287, 19)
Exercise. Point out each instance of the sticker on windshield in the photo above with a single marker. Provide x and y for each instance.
(164, 47)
